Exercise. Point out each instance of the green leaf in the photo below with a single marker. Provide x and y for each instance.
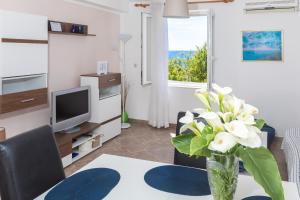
(261, 164)
(207, 130)
(198, 143)
(260, 123)
(183, 142)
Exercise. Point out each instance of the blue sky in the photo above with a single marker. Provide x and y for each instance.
(262, 41)
(186, 34)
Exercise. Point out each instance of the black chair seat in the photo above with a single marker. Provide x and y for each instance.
(29, 165)
(182, 159)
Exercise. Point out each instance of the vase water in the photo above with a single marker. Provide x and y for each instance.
(223, 173)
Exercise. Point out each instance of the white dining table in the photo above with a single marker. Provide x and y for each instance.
(133, 187)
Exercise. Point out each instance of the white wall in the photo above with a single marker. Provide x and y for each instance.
(271, 86)
(113, 5)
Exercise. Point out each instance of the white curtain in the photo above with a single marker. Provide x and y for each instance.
(159, 107)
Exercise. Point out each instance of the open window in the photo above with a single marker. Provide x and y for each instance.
(190, 50)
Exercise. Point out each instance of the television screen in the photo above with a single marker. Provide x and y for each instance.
(72, 105)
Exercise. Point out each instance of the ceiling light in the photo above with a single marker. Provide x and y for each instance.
(176, 9)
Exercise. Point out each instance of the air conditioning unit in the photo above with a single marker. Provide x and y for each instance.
(269, 5)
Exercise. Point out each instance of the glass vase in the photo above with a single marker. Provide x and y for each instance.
(223, 173)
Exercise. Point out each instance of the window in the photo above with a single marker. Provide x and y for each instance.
(190, 50)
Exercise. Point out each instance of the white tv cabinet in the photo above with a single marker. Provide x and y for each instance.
(106, 102)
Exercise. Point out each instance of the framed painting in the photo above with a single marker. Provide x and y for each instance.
(262, 46)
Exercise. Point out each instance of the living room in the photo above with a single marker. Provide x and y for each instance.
(128, 87)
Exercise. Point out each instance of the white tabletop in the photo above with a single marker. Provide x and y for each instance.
(133, 187)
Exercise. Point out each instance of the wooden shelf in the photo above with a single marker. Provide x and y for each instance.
(82, 154)
(23, 41)
(67, 33)
(66, 29)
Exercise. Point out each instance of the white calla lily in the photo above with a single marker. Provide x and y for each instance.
(251, 110)
(222, 91)
(233, 104)
(173, 135)
(253, 140)
(212, 119)
(200, 126)
(203, 97)
(223, 142)
(188, 118)
(199, 110)
(214, 97)
(237, 128)
(246, 118)
(226, 117)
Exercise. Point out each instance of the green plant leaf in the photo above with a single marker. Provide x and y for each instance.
(183, 142)
(198, 143)
(260, 123)
(261, 164)
(207, 130)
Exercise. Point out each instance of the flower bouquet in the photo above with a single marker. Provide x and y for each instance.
(225, 136)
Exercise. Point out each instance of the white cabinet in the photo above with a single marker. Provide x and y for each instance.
(105, 111)
(23, 60)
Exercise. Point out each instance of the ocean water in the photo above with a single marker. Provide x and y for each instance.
(181, 54)
(262, 55)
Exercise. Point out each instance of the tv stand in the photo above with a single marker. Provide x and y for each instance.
(72, 130)
(69, 142)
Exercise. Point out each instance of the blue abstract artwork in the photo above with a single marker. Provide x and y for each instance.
(262, 46)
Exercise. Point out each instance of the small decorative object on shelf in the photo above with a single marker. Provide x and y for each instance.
(102, 67)
(55, 26)
(228, 134)
(2, 134)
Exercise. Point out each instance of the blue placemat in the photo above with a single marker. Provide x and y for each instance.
(178, 180)
(93, 184)
(258, 198)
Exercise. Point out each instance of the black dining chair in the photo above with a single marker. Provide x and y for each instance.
(182, 159)
(29, 165)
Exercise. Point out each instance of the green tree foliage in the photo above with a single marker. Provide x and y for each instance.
(189, 68)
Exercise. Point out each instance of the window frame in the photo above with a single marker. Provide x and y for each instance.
(185, 84)
(145, 49)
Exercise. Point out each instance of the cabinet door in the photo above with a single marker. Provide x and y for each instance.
(111, 129)
(23, 59)
(23, 26)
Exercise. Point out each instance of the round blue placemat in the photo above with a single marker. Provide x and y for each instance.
(178, 180)
(257, 198)
(93, 184)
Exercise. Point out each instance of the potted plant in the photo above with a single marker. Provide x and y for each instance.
(230, 134)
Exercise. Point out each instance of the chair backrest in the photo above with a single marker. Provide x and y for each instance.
(29, 165)
(182, 159)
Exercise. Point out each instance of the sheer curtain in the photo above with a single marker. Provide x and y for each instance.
(159, 106)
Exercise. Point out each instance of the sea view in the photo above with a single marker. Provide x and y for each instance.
(181, 54)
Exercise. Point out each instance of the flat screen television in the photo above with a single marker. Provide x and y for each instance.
(70, 108)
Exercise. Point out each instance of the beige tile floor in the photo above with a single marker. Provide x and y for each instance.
(144, 142)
